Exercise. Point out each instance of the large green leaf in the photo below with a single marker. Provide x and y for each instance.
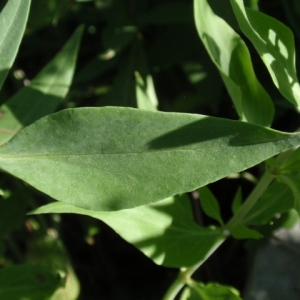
(275, 44)
(231, 56)
(114, 158)
(164, 231)
(28, 282)
(13, 20)
(44, 93)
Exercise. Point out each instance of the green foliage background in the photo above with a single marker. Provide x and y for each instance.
(153, 43)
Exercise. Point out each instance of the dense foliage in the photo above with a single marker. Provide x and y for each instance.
(142, 138)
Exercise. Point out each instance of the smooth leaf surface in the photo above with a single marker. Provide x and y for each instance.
(277, 199)
(13, 19)
(275, 44)
(292, 181)
(144, 86)
(237, 201)
(210, 291)
(115, 158)
(231, 56)
(44, 93)
(28, 282)
(210, 204)
(243, 232)
(165, 231)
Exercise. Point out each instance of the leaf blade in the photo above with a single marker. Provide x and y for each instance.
(115, 158)
(164, 231)
(275, 44)
(231, 56)
(13, 19)
(44, 93)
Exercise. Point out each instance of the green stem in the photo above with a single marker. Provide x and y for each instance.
(258, 191)
(186, 273)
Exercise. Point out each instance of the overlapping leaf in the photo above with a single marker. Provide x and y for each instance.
(230, 54)
(44, 93)
(275, 44)
(116, 158)
(164, 231)
(13, 20)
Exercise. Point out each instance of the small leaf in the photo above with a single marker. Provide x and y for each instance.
(144, 86)
(292, 164)
(210, 204)
(275, 44)
(276, 199)
(165, 231)
(210, 291)
(116, 158)
(231, 56)
(293, 181)
(28, 282)
(237, 201)
(44, 93)
(243, 232)
(13, 19)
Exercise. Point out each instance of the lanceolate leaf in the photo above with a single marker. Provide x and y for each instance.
(210, 204)
(277, 199)
(13, 20)
(44, 93)
(164, 231)
(230, 54)
(275, 43)
(114, 158)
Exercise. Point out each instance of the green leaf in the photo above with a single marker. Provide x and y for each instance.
(48, 250)
(13, 20)
(115, 158)
(275, 44)
(28, 282)
(210, 204)
(210, 291)
(44, 93)
(243, 232)
(292, 164)
(144, 86)
(237, 201)
(276, 199)
(165, 231)
(292, 181)
(231, 56)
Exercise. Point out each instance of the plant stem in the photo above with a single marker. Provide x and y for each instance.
(185, 274)
(258, 191)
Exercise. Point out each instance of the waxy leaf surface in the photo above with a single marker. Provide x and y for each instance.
(114, 158)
